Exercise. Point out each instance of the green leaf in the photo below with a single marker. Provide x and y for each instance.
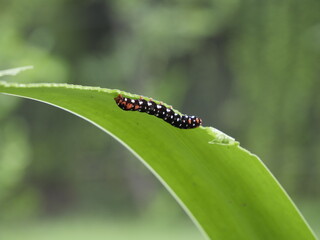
(14, 71)
(226, 190)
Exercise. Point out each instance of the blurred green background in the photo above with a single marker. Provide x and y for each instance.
(249, 68)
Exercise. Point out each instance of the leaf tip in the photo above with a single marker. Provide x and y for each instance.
(14, 71)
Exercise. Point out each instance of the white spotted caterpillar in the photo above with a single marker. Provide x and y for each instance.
(158, 110)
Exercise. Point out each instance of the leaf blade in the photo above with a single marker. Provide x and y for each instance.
(226, 190)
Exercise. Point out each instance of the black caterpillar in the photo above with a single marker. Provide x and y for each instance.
(159, 110)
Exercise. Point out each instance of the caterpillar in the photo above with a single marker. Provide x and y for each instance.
(159, 110)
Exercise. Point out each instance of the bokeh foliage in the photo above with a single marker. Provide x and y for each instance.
(252, 67)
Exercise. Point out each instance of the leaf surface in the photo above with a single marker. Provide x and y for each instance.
(226, 190)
